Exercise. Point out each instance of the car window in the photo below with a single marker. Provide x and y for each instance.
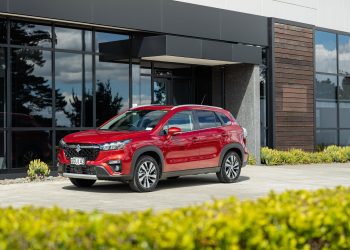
(224, 118)
(207, 119)
(182, 120)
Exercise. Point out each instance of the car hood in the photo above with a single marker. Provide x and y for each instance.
(102, 136)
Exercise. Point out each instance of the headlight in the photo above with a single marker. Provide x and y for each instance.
(114, 145)
(245, 133)
(62, 143)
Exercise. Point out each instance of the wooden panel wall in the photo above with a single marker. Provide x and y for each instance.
(294, 87)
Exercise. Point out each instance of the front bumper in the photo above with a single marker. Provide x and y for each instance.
(99, 173)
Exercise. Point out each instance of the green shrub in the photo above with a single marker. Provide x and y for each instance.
(291, 220)
(37, 170)
(297, 156)
(251, 160)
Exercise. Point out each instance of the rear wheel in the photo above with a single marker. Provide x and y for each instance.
(230, 168)
(82, 182)
(146, 175)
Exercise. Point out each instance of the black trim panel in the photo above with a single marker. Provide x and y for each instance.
(143, 150)
(190, 172)
(229, 147)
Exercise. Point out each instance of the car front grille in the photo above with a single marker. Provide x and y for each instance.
(87, 151)
(90, 170)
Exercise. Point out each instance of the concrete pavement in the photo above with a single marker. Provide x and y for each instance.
(255, 181)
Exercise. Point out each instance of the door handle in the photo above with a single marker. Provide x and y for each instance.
(195, 139)
(224, 134)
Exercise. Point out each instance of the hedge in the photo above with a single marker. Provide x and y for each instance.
(296, 156)
(291, 220)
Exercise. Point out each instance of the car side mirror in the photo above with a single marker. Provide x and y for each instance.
(174, 131)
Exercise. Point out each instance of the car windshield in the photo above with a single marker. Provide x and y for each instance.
(135, 120)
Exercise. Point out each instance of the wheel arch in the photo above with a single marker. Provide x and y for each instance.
(236, 147)
(152, 151)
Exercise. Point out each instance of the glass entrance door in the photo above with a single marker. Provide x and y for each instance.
(171, 91)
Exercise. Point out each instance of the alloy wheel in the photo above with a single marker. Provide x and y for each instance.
(232, 167)
(147, 174)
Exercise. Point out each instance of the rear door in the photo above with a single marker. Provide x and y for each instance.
(209, 138)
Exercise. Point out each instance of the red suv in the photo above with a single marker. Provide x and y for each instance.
(149, 143)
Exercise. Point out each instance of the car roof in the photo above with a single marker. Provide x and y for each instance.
(180, 107)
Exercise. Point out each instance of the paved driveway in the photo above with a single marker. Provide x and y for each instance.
(255, 181)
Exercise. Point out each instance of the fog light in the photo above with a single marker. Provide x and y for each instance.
(116, 165)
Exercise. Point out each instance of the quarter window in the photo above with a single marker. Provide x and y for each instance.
(207, 119)
(224, 118)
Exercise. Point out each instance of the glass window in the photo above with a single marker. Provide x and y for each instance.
(88, 98)
(344, 54)
(24, 150)
(141, 87)
(224, 118)
(30, 34)
(326, 52)
(2, 150)
(325, 137)
(344, 114)
(344, 88)
(135, 120)
(160, 91)
(181, 91)
(2, 86)
(103, 37)
(3, 31)
(31, 88)
(112, 89)
(66, 38)
(326, 114)
(344, 137)
(88, 40)
(326, 87)
(182, 120)
(69, 86)
(207, 119)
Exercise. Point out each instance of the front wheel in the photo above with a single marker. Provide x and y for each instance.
(230, 168)
(146, 175)
(82, 182)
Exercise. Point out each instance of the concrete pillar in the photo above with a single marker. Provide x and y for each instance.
(242, 99)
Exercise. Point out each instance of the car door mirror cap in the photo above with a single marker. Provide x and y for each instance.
(174, 131)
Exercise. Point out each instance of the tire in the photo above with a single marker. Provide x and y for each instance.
(230, 168)
(82, 182)
(146, 175)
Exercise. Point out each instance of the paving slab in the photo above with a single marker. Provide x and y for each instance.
(254, 182)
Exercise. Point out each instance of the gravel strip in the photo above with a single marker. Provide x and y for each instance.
(27, 180)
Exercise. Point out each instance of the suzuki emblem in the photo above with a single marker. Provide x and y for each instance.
(78, 149)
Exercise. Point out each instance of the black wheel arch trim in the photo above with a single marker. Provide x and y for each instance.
(141, 151)
(229, 147)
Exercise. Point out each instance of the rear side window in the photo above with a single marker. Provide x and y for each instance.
(181, 120)
(224, 118)
(207, 119)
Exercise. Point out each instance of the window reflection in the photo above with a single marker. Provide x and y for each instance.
(344, 88)
(68, 38)
(326, 52)
(2, 86)
(344, 114)
(159, 91)
(326, 87)
(102, 37)
(326, 114)
(68, 81)
(88, 40)
(344, 137)
(3, 31)
(141, 87)
(112, 89)
(23, 33)
(31, 88)
(88, 97)
(2, 150)
(344, 54)
(24, 150)
(326, 137)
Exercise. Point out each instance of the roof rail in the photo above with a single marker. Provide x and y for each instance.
(147, 105)
(197, 105)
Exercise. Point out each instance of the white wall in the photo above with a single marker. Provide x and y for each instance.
(331, 14)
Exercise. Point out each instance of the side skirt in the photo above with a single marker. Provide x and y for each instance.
(190, 172)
